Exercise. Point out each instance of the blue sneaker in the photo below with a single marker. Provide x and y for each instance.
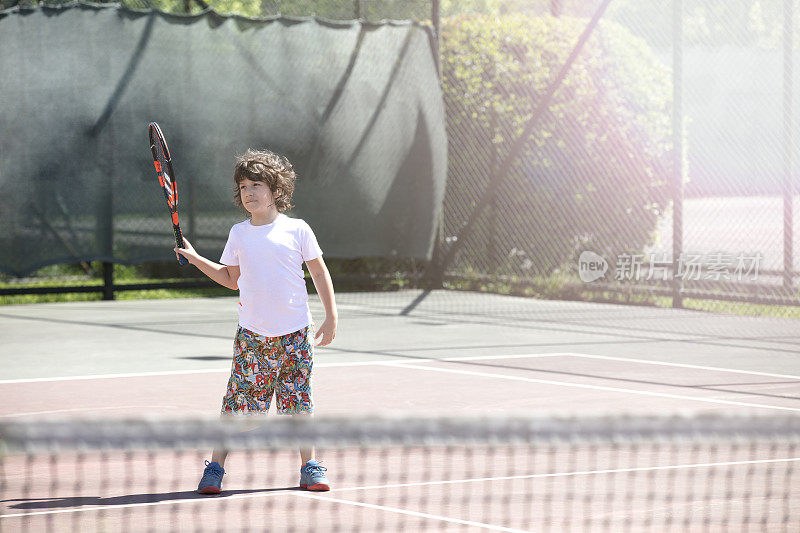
(212, 479)
(312, 476)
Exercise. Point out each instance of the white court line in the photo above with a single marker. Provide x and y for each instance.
(317, 365)
(394, 362)
(114, 376)
(600, 387)
(400, 485)
(37, 413)
(412, 513)
(577, 473)
(681, 365)
(413, 361)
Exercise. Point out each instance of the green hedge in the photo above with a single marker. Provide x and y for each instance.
(595, 174)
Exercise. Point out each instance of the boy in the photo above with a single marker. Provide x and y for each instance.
(263, 259)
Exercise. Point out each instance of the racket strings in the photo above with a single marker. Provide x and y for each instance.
(162, 165)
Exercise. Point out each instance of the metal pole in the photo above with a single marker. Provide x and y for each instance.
(788, 152)
(492, 222)
(436, 268)
(108, 281)
(677, 143)
(106, 218)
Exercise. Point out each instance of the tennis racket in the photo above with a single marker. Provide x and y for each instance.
(162, 160)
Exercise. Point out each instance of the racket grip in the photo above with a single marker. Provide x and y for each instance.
(179, 241)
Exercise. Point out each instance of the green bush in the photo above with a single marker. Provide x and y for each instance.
(596, 170)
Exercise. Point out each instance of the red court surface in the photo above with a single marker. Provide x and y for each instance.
(452, 489)
(468, 385)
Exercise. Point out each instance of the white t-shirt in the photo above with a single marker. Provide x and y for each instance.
(273, 300)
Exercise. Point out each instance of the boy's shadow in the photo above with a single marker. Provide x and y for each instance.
(80, 501)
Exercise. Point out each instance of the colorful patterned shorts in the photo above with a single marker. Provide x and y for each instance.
(266, 365)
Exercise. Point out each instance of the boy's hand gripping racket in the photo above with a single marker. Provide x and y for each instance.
(166, 176)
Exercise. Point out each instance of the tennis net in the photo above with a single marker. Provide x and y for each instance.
(654, 473)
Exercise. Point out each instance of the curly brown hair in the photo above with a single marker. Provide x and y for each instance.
(264, 166)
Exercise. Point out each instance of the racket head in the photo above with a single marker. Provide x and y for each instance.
(162, 160)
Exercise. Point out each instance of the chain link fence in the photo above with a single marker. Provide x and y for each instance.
(615, 149)
(659, 168)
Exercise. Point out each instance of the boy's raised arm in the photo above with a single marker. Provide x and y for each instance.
(225, 275)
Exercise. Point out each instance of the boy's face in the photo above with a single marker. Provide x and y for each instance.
(256, 196)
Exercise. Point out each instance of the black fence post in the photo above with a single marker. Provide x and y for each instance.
(108, 281)
(105, 231)
(492, 250)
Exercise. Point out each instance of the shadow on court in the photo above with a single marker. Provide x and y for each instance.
(50, 503)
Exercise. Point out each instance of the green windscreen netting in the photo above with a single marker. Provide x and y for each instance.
(356, 107)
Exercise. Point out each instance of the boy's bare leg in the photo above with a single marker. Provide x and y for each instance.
(219, 455)
(306, 454)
